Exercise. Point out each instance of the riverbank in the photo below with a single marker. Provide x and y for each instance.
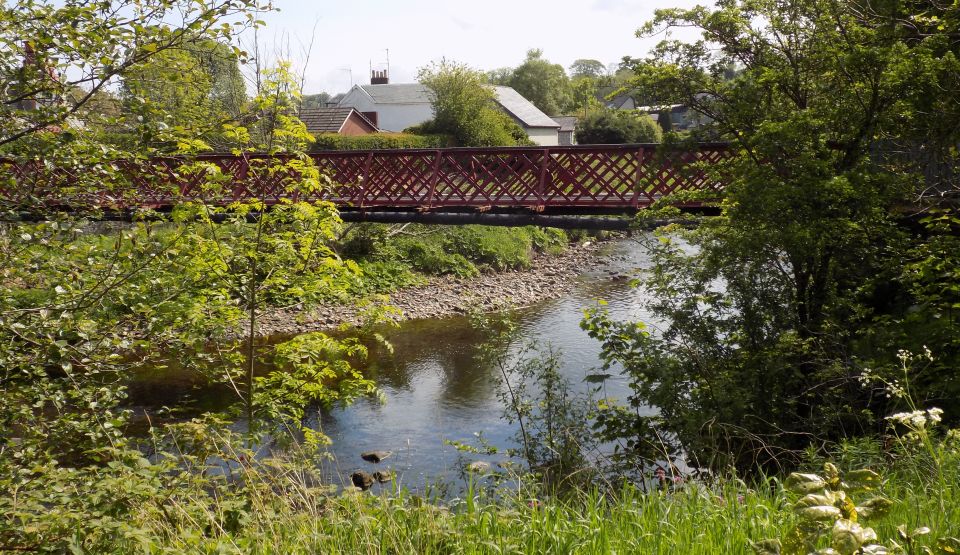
(549, 276)
(270, 509)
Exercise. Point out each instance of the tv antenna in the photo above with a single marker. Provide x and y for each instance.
(350, 71)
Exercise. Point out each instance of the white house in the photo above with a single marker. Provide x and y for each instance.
(395, 107)
(390, 107)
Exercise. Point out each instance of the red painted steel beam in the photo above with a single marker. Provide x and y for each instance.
(602, 177)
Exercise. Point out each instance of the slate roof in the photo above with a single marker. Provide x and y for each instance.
(400, 93)
(522, 109)
(618, 101)
(328, 120)
(416, 93)
(567, 123)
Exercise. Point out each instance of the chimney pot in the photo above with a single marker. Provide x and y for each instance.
(379, 77)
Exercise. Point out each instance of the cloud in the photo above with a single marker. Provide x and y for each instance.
(462, 23)
(616, 5)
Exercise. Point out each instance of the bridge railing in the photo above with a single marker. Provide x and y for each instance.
(539, 178)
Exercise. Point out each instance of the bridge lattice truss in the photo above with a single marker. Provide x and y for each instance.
(579, 178)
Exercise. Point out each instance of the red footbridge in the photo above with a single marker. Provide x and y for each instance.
(500, 186)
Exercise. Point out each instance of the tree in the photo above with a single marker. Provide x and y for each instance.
(585, 95)
(197, 86)
(500, 76)
(465, 107)
(544, 84)
(81, 308)
(587, 68)
(50, 50)
(769, 325)
(313, 101)
(610, 127)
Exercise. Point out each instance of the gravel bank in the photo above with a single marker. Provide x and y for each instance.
(548, 277)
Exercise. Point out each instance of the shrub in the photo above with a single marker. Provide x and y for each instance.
(379, 141)
(384, 276)
(548, 239)
(465, 107)
(618, 127)
(453, 250)
(431, 258)
(497, 247)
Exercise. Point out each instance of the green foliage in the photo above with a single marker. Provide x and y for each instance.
(544, 84)
(461, 251)
(585, 95)
(314, 370)
(211, 493)
(464, 107)
(553, 420)
(374, 141)
(276, 127)
(766, 315)
(827, 511)
(610, 127)
(925, 309)
(56, 57)
(496, 247)
(586, 68)
(197, 87)
(314, 101)
(82, 306)
(433, 259)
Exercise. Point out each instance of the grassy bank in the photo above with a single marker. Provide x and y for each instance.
(396, 256)
(388, 257)
(275, 507)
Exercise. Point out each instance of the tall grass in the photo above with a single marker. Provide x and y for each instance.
(280, 513)
(204, 492)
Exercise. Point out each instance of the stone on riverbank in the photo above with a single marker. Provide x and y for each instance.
(549, 276)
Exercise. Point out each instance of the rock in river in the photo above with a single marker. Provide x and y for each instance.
(478, 466)
(383, 476)
(362, 480)
(375, 456)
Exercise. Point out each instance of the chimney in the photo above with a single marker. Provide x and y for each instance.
(379, 77)
(29, 59)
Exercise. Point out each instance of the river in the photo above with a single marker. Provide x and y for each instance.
(434, 389)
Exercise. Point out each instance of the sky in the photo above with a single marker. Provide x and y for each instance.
(350, 35)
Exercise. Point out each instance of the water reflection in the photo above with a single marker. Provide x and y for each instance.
(433, 386)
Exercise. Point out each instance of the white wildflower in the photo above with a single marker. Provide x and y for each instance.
(935, 415)
(916, 419)
(904, 356)
(894, 389)
(919, 420)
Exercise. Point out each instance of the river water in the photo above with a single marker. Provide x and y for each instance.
(434, 389)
